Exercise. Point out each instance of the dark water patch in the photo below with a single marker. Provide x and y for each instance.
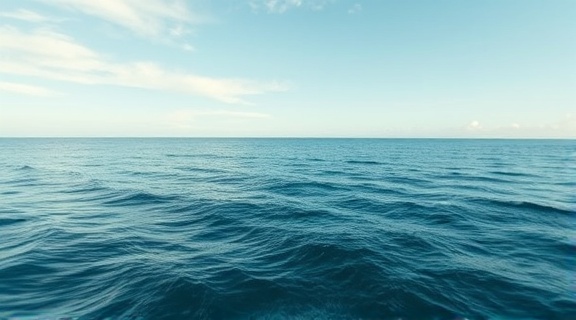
(442, 218)
(363, 162)
(299, 213)
(511, 173)
(199, 169)
(228, 179)
(566, 183)
(137, 199)
(526, 206)
(475, 179)
(403, 208)
(10, 192)
(85, 188)
(200, 156)
(411, 181)
(140, 173)
(9, 221)
(303, 189)
(189, 155)
(24, 182)
(363, 204)
(380, 190)
(333, 173)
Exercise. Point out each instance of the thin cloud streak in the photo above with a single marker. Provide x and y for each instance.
(282, 6)
(28, 16)
(19, 88)
(151, 18)
(51, 55)
(192, 114)
(356, 8)
(564, 127)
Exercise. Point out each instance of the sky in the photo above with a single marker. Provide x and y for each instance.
(288, 68)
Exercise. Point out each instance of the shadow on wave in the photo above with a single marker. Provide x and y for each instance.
(526, 205)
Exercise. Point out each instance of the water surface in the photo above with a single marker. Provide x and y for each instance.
(287, 228)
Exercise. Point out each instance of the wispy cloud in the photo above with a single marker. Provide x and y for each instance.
(474, 126)
(147, 18)
(356, 8)
(27, 15)
(281, 6)
(564, 127)
(51, 55)
(192, 114)
(25, 89)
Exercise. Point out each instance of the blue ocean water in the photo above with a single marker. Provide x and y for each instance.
(287, 228)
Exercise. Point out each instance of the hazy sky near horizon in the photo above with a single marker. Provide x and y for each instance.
(322, 68)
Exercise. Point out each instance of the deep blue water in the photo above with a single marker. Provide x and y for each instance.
(287, 228)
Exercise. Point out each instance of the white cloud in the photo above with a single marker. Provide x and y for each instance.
(179, 31)
(25, 89)
(50, 55)
(188, 47)
(281, 6)
(27, 15)
(147, 18)
(275, 6)
(356, 8)
(563, 127)
(474, 126)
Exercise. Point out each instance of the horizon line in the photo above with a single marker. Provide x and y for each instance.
(286, 137)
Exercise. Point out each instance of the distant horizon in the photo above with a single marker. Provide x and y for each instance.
(284, 137)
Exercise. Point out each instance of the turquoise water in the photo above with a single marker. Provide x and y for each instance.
(287, 228)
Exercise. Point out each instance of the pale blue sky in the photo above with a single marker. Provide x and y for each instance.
(320, 68)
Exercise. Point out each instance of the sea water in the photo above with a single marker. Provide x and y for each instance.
(287, 228)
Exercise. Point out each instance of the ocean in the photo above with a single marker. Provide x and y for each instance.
(287, 228)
